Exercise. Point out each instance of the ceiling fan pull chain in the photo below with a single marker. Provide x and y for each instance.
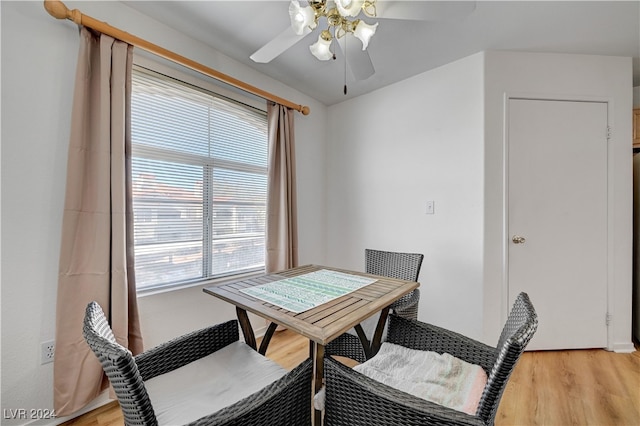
(345, 64)
(335, 37)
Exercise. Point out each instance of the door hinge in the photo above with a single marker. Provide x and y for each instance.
(609, 132)
(608, 318)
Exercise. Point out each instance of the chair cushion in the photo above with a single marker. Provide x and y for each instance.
(443, 379)
(211, 383)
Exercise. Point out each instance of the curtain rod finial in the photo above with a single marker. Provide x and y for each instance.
(56, 8)
(305, 110)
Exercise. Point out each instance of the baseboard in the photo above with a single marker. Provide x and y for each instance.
(101, 400)
(623, 348)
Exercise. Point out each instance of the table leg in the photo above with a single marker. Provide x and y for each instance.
(247, 330)
(377, 336)
(267, 338)
(318, 378)
(366, 345)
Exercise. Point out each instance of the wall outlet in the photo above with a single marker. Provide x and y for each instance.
(430, 207)
(47, 351)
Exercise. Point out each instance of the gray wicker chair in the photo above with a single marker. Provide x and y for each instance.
(286, 401)
(403, 266)
(353, 399)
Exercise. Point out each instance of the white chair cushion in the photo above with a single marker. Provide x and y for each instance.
(443, 379)
(211, 383)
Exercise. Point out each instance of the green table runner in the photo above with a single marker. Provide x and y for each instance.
(304, 292)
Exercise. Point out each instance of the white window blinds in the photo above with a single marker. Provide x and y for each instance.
(199, 179)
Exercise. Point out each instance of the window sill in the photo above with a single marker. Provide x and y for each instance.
(204, 283)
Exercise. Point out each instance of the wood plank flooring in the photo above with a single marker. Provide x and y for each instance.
(551, 388)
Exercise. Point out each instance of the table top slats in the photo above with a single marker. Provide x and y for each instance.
(351, 309)
(370, 291)
(334, 327)
(318, 309)
(332, 308)
(250, 282)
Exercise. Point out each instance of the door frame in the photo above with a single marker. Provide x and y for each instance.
(508, 96)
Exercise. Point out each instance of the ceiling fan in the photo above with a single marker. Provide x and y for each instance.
(335, 20)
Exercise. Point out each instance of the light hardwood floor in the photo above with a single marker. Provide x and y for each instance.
(551, 388)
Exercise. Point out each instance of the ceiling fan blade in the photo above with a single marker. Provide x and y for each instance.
(278, 45)
(424, 10)
(358, 60)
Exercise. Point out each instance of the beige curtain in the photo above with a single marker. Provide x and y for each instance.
(282, 224)
(96, 258)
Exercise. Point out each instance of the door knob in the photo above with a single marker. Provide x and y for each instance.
(517, 239)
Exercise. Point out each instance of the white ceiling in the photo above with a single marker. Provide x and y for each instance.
(401, 48)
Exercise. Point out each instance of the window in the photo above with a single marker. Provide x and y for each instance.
(199, 183)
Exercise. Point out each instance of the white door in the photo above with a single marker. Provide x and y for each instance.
(557, 218)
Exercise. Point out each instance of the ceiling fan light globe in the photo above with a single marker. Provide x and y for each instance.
(349, 7)
(320, 49)
(301, 17)
(364, 32)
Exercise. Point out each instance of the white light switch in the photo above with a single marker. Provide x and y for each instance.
(430, 207)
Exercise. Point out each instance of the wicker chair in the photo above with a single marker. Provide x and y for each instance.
(403, 266)
(285, 401)
(353, 399)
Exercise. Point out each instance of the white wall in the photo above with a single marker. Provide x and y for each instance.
(439, 136)
(38, 66)
(563, 77)
(392, 150)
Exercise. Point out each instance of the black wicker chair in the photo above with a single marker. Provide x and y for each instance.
(286, 401)
(403, 266)
(353, 399)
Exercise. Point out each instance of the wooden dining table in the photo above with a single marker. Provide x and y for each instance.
(320, 324)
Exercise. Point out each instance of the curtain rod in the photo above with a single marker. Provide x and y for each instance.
(58, 10)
